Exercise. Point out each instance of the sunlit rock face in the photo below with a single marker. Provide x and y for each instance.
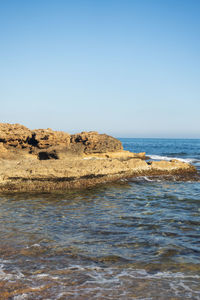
(20, 137)
(47, 160)
(14, 135)
(96, 143)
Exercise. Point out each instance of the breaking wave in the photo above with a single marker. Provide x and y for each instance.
(160, 157)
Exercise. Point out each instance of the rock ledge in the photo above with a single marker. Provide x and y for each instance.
(46, 160)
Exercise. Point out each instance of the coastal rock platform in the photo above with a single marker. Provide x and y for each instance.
(44, 160)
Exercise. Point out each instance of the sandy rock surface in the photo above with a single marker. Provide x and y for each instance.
(47, 160)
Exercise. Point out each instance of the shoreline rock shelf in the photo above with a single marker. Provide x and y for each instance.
(46, 160)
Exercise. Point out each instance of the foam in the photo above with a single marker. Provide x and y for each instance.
(112, 283)
(21, 297)
(147, 178)
(10, 276)
(114, 279)
(160, 157)
(34, 245)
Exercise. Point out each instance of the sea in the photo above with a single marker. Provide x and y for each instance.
(132, 239)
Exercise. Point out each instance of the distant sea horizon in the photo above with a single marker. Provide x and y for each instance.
(161, 138)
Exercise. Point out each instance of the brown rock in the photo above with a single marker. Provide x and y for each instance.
(122, 155)
(45, 138)
(20, 137)
(30, 174)
(3, 151)
(64, 162)
(96, 143)
(173, 166)
(14, 135)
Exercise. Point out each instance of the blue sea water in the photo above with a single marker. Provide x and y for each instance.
(136, 239)
(187, 150)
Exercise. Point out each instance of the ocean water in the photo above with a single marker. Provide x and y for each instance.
(136, 239)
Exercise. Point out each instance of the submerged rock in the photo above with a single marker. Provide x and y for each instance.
(47, 160)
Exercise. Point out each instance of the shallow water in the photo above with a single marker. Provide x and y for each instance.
(137, 239)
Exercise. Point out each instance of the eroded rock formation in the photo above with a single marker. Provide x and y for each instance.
(20, 137)
(14, 135)
(47, 160)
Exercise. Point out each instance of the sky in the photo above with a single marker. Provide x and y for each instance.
(128, 68)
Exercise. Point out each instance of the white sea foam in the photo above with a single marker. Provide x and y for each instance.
(21, 297)
(136, 273)
(111, 283)
(34, 245)
(108, 281)
(42, 275)
(10, 276)
(3, 275)
(160, 157)
(3, 261)
(147, 178)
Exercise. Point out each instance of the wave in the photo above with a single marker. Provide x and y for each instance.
(153, 179)
(168, 158)
(146, 178)
(92, 281)
(136, 273)
(10, 276)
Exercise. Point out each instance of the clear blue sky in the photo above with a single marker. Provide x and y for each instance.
(127, 68)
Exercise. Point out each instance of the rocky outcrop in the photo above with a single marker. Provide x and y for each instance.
(20, 137)
(46, 138)
(47, 160)
(121, 155)
(31, 175)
